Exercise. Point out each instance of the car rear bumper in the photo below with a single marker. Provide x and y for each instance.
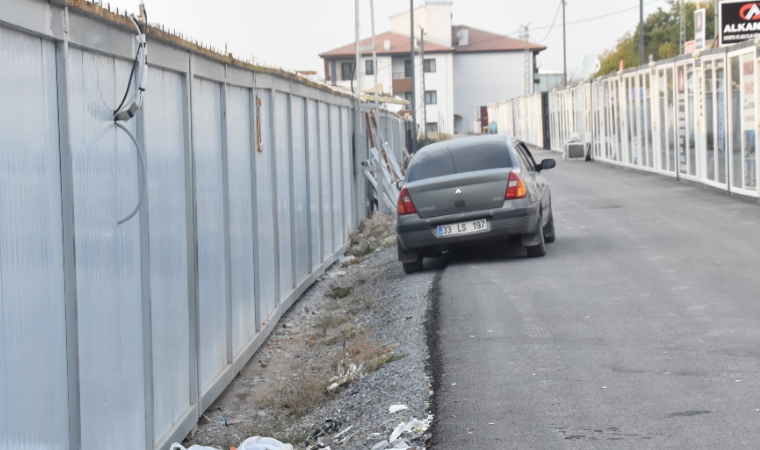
(515, 218)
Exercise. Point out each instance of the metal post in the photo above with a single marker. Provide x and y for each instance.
(358, 59)
(422, 64)
(414, 88)
(641, 32)
(682, 34)
(67, 220)
(381, 207)
(374, 59)
(564, 43)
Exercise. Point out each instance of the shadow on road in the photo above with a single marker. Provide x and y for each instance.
(479, 254)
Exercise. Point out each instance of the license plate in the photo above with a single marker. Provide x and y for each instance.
(454, 229)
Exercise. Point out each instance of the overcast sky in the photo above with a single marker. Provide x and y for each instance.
(291, 33)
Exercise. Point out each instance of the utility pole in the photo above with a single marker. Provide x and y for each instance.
(374, 59)
(358, 60)
(682, 34)
(414, 89)
(422, 62)
(564, 41)
(525, 35)
(382, 208)
(358, 113)
(641, 32)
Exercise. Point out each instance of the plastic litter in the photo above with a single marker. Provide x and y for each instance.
(263, 443)
(396, 408)
(380, 445)
(177, 446)
(345, 260)
(418, 426)
(254, 443)
(350, 374)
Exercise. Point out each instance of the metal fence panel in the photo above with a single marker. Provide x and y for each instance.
(239, 151)
(337, 178)
(300, 192)
(265, 207)
(327, 180)
(165, 150)
(209, 192)
(282, 164)
(109, 282)
(314, 184)
(346, 170)
(33, 388)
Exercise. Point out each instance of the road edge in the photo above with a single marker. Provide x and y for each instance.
(434, 365)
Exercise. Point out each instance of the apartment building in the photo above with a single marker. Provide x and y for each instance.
(464, 68)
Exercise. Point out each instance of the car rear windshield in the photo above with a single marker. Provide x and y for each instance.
(460, 159)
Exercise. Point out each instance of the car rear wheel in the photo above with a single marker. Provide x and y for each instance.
(537, 251)
(549, 235)
(412, 267)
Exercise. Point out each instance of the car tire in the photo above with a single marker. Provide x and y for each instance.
(549, 235)
(537, 251)
(412, 267)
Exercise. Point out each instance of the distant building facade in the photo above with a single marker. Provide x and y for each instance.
(464, 68)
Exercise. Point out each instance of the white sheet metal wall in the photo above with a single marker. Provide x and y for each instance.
(521, 117)
(32, 315)
(119, 336)
(691, 118)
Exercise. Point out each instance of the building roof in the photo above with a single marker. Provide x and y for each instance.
(400, 44)
(485, 41)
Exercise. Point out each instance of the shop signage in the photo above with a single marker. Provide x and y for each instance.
(739, 21)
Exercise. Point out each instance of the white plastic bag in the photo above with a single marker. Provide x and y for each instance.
(263, 443)
(177, 446)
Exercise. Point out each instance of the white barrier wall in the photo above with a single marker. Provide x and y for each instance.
(120, 336)
(692, 117)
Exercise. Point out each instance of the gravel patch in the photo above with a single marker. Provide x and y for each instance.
(375, 320)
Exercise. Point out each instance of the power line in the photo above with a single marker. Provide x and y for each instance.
(588, 19)
(553, 21)
(604, 15)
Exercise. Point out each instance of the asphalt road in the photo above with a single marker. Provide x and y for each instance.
(639, 329)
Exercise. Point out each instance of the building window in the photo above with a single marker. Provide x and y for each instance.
(408, 97)
(346, 70)
(431, 97)
(407, 68)
(369, 67)
(429, 65)
(432, 127)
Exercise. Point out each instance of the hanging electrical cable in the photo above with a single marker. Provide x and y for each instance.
(141, 168)
(128, 109)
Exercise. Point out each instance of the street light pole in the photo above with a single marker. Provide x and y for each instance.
(641, 32)
(564, 42)
(422, 62)
(414, 89)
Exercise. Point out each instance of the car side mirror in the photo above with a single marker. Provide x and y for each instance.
(547, 164)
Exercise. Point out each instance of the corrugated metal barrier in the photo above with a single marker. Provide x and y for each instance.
(119, 336)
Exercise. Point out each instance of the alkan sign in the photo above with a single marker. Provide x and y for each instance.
(739, 21)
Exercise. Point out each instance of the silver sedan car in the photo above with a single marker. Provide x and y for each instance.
(470, 191)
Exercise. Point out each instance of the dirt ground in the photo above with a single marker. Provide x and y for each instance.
(335, 335)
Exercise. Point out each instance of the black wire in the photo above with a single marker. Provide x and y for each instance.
(129, 83)
(553, 21)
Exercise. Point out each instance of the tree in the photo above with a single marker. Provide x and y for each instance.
(661, 36)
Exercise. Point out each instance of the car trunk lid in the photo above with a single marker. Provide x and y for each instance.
(459, 193)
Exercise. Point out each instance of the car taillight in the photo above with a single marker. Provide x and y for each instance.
(515, 187)
(405, 205)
